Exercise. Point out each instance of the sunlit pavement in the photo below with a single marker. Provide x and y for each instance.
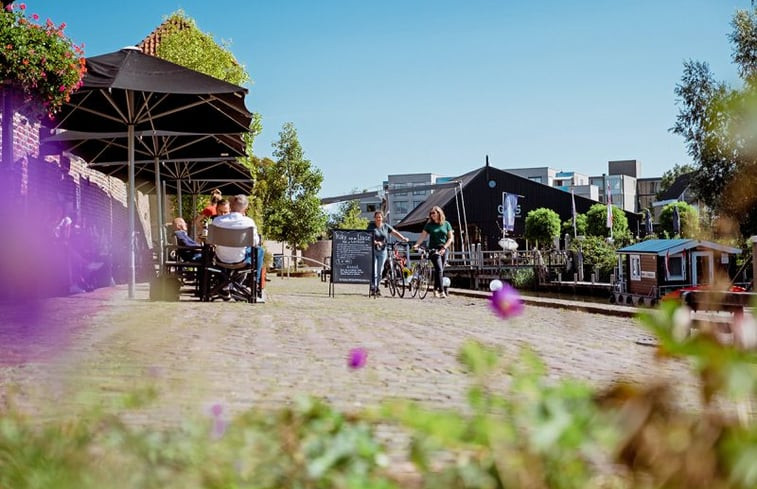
(101, 344)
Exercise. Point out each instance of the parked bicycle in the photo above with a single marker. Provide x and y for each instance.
(421, 275)
(393, 273)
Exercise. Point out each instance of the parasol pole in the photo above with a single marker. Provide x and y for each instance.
(159, 202)
(131, 204)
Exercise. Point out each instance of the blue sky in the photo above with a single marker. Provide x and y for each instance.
(403, 86)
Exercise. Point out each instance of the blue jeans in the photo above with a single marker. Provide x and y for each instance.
(259, 264)
(379, 257)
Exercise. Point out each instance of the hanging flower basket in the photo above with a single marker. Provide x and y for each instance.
(38, 61)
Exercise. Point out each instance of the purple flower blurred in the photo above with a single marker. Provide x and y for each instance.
(506, 302)
(357, 358)
(219, 423)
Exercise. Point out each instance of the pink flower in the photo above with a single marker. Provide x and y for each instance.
(219, 423)
(216, 410)
(62, 88)
(35, 16)
(22, 6)
(357, 358)
(506, 302)
(9, 7)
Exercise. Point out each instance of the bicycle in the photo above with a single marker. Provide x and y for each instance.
(421, 275)
(393, 275)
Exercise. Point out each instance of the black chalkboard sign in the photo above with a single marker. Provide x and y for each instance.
(351, 256)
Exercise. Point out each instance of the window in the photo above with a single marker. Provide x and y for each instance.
(635, 267)
(675, 267)
(420, 192)
(535, 179)
(400, 207)
(370, 208)
(397, 187)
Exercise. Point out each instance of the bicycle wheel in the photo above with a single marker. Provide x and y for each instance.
(390, 281)
(399, 280)
(424, 280)
(412, 283)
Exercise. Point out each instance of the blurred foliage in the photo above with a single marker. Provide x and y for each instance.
(521, 429)
(717, 123)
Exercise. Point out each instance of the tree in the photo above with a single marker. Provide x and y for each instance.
(717, 123)
(689, 220)
(185, 44)
(292, 212)
(597, 253)
(543, 226)
(670, 176)
(567, 226)
(596, 223)
(347, 216)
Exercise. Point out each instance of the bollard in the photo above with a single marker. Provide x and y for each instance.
(592, 278)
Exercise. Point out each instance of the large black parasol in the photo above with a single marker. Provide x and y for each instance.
(130, 92)
(190, 161)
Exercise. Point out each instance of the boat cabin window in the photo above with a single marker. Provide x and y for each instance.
(675, 267)
(635, 267)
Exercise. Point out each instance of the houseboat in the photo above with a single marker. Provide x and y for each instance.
(650, 269)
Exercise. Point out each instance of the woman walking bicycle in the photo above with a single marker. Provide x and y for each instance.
(381, 232)
(440, 238)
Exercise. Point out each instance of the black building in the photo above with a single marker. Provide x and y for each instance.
(479, 204)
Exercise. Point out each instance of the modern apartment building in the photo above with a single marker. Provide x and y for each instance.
(400, 195)
(540, 174)
(564, 180)
(646, 192)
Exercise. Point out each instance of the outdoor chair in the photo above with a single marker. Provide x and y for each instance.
(186, 263)
(223, 280)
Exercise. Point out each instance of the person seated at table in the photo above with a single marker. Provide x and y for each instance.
(238, 219)
(183, 239)
(222, 208)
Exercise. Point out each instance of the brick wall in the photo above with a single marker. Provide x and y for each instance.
(45, 188)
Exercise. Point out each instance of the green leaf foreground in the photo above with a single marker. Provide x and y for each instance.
(535, 432)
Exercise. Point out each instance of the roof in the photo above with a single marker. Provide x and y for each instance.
(677, 188)
(418, 216)
(480, 200)
(673, 246)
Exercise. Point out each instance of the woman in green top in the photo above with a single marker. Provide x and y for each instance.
(440, 235)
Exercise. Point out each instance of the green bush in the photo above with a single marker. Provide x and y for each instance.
(524, 279)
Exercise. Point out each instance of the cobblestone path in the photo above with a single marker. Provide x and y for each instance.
(99, 344)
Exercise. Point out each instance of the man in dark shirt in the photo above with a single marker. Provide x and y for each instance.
(183, 239)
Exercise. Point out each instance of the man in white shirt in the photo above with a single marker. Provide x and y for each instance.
(234, 220)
